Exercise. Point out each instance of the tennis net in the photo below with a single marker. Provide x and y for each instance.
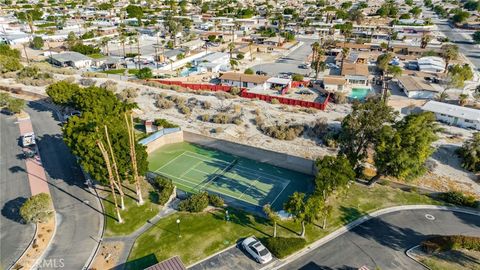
(228, 168)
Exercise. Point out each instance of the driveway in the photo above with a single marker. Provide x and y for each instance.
(78, 211)
(381, 242)
(14, 191)
(232, 258)
(290, 62)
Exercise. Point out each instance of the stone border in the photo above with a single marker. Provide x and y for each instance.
(359, 221)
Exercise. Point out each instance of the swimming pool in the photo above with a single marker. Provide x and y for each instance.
(359, 93)
(188, 71)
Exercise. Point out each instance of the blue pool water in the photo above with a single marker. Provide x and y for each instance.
(359, 93)
(188, 71)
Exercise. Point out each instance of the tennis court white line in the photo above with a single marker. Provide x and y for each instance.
(278, 195)
(218, 174)
(251, 185)
(252, 171)
(192, 168)
(164, 165)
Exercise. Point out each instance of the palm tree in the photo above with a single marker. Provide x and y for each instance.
(250, 44)
(345, 53)
(449, 53)
(231, 47)
(272, 216)
(320, 54)
(395, 71)
(133, 157)
(315, 47)
(425, 40)
(442, 96)
(104, 43)
(123, 39)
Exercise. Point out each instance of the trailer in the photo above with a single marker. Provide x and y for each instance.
(28, 139)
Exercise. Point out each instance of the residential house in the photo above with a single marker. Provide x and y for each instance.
(417, 87)
(454, 115)
(355, 74)
(334, 83)
(70, 59)
(244, 80)
(431, 64)
(213, 62)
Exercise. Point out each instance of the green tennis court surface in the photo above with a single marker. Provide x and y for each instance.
(194, 168)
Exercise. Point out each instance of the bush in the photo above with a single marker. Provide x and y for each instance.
(205, 117)
(144, 73)
(36, 43)
(195, 203)
(297, 77)
(165, 187)
(458, 198)
(160, 122)
(274, 101)
(235, 90)
(221, 118)
(248, 71)
(237, 120)
(282, 132)
(184, 109)
(162, 103)
(449, 242)
(87, 82)
(215, 200)
(109, 85)
(283, 246)
(37, 208)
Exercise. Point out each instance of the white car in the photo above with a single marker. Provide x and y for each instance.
(255, 248)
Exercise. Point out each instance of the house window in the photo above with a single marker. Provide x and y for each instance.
(468, 121)
(245, 84)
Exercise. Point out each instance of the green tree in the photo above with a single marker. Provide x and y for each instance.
(272, 216)
(248, 71)
(62, 92)
(9, 64)
(6, 50)
(36, 43)
(458, 74)
(134, 11)
(449, 53)
(470, 153)
(303, 210)
(383, 60)
(403, 149)
(333, 173)
(476, 37)
(460, 16)
(144, 73)
(4, 99)
(37, 208)
(15, 105)
(395, 71)
(415, 11)
(361, 128)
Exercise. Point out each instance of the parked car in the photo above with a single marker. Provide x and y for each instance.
(258, 251)
(304, 66)
(259, 72)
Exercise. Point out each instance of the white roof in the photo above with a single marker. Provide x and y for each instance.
(452, 110)
(277, 80)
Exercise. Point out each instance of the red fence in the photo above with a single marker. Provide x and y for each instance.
(296, 84)
(246, 94)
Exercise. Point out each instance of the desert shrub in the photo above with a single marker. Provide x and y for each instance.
(206, 105)
(235, 90)
(223, 95)
(237, 120)
(458, 198)
(221, 118)
(215, 200)
(237, 108)
(89, 74)
(87, 82)
(274, 101)
(283, 132)
(449, 242)
(330, 139)
(162, 103)
(319, 127)
(109, 85)
(184, 109)
(259, 121)
(160, 122)
(164, 187)
(205, 117)
(283, 246)
(218, 130)
(195, 203)
(297, 77)
(128, 94)
(178, 100)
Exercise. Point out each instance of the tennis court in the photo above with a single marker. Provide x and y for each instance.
(194, 168)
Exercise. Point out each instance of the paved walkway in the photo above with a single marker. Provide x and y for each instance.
(36, 174)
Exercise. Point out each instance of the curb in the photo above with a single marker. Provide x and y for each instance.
(49, 245)
(25, 251)
(413, 258)
(101, 231)
(359, 221)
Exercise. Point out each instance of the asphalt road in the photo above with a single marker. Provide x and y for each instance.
(78, 211)
(460, 37)
(290, 62)
(382, 241)
(14, 191)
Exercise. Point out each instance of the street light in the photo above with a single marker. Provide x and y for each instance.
(227, 216)
(178, 227)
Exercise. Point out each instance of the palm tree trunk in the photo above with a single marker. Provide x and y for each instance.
(324, 226)
(118, 185)
(133, 158)
(274, 229)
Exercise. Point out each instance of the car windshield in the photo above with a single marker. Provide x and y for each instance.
(263, 252)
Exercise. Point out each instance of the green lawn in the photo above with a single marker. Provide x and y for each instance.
(114, 71)
(206, 233)
(134, 216)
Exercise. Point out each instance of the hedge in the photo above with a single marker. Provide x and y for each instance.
(283, 246)
(215, 200)
(164, 187)
(195, 203)
(457, 198)
(449, 242)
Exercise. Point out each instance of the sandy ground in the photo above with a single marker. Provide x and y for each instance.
(108, 255)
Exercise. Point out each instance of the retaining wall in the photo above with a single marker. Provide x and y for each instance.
(161, 138)
(286, 161)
